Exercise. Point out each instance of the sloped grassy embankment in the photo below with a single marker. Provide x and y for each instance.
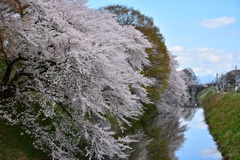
(14, 145)
(222, 113)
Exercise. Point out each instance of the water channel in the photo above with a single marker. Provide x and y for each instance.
(185, 133)
(199, 143)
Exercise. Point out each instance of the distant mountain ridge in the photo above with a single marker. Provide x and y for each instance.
(206, 78)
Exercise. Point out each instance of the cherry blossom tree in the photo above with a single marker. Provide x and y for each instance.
(67, 68)
(176, 94)
(158, 55)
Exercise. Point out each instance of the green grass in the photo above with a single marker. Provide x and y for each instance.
(222, 111)
(14, 145)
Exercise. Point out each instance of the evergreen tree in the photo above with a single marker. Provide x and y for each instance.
(159, 67)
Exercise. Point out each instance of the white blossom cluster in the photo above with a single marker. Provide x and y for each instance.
(72, 67)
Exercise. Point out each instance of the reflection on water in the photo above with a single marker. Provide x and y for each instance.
(172, 131)
(163, 136)
(199, 144)
(182, 135)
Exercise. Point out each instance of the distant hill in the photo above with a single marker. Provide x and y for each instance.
(206, 79)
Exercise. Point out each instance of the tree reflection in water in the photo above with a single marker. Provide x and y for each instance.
(162, 137)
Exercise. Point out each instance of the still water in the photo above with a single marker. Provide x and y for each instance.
(199, 143)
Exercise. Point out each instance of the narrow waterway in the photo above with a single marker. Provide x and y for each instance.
(199, 143)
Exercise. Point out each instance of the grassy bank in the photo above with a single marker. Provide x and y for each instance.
(14, 145)
(222, 111)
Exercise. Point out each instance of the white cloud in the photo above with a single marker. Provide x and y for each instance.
(176, 49)
(198, 121)
(217, 22)
(238, 55)
(210, 153)
(202, 49)
(213, 58)
(209, 55)
(210, 72)
(207, 61)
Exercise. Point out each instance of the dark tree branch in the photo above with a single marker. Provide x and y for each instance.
(8, 70)
(18, 75)
(64, 109)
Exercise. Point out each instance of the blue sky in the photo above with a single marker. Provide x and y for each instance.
(204, 34)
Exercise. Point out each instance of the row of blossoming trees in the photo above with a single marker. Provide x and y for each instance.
(67, 71)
